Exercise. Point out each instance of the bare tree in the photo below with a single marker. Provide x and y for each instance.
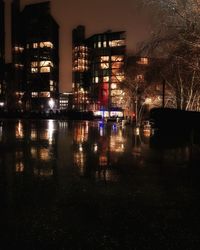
(178, 41)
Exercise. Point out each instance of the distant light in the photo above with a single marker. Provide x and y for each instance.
(80, 148)
(148, 100)
(95, 147)
(51, 103)
(1, 104)
(137, 131)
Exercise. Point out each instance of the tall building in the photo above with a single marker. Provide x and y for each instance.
(17, 87)
(35, 36)
(98, 70)
(80, 69)
(2, 54)
(107, 70)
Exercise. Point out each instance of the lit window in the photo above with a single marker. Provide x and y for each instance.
(117, 58)
(99, 44)
(44, 94)
(34, 94)
(95, 45)
(19, 167)
(96, 79)
(46, 63)
(51, 88)
(46, 45)
(104, 44)
(51, 83)
(33, 137)
(106, 79)
(34, 64)
(143, 60)
(104, 65)
(35, 45)
(18, 49)
(117, 65)
(120, 78)
(34, 70)
(113, 86)
(104, 58)
(44, 154)
(45, 69)
(116, 92)
(140, 77)
(116, 43)
(18, 65)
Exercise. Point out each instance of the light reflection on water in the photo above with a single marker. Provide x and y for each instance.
(89, 149)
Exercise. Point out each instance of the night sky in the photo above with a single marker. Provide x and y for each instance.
(97, 16)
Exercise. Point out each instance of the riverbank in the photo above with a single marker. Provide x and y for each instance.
(174, 120)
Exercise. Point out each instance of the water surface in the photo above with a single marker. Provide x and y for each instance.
(77, 184)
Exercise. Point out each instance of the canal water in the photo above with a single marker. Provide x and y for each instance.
(87, 184)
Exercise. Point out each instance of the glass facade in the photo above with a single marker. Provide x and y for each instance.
(101, 57)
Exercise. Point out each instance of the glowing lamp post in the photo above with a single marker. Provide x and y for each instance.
(51, 103)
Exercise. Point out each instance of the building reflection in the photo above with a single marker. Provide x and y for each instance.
(19, 167)
(81, 132)
(97, 146)
(19, 130)
(1, 132)
(27, 158)
(35, 151)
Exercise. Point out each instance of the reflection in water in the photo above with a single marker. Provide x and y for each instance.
(81, 132)
(44, 154)
(19, 167)
(95, 148)
(117, 141)
(147, 132)
(1, 132)
(80, 160)
(33, 134)
(51, 129)
(43, 172)
(92, 149)
(101, 126)
(19, 132)
(103, 161)
(34, 152)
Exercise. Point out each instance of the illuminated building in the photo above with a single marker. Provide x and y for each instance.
(65, 101)
(17, 83)
(107, 69)
(80, 69)
(2, 54)
(98, 70)
(35, 56)
(144, 72)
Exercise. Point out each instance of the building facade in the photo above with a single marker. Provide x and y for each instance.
(2, 54)
(98, 70)
(35, 58)
(65, 101)
(80, 69)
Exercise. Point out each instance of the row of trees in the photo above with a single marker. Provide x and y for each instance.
(176, 39)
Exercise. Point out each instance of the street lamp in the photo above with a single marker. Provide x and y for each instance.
(51, 103)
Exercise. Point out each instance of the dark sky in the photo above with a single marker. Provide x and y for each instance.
(97, 16)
